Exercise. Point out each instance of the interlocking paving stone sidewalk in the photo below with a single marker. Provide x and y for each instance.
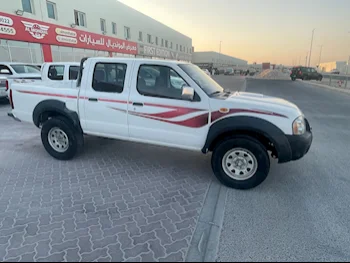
(117, 201)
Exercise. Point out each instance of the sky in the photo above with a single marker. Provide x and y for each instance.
(276, 31)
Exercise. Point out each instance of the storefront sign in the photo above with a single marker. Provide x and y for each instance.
(23, 29)
(162, 53)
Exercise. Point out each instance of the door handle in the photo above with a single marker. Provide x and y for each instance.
(139, 104)
(93, 99)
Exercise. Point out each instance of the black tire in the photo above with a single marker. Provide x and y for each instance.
(75, 138)
(293, 79)
(243, 142)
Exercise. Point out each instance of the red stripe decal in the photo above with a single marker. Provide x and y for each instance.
(115, 101)
(218, 115)
(170, 107)
(172, 114)
(194, 122)
(48, 94)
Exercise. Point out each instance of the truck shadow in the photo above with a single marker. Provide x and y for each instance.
(4, 102)
(149, 158)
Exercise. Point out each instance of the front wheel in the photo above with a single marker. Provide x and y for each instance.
(240, 162)
(60, 139)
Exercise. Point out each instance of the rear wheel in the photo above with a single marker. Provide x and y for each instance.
(60, 139)
(240, 162)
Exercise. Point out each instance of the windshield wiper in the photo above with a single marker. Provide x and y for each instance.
(215, 92)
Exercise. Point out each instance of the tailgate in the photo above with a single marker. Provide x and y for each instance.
(3, 92)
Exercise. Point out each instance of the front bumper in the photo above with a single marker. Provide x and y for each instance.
(300, 144)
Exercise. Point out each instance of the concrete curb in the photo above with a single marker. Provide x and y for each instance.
(205, 241)
(327, 87)
(265, 78)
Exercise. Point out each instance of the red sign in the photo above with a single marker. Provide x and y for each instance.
(24, 29)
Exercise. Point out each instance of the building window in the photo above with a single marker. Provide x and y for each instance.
(157, 41)
(80, 18)
(166, 43)
(162, 42)
(51, 10)
(171, 45)
(103, 25)
(177, 47)
(180, 48)
(127, 32)
(114, 28)
(140, 36)
(27, 6)
(149, 38)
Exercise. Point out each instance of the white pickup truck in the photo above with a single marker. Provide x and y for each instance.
(59, 71)
(118, 98)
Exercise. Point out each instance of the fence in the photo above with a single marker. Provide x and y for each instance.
(337, 81)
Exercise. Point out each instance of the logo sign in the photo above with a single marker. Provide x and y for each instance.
(6, 30)
(36, 30)
(4, 20)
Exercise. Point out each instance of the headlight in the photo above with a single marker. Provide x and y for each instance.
(299, 126)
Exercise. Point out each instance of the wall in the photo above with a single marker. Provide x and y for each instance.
(329, 66)
(111, 11)
(217, 59)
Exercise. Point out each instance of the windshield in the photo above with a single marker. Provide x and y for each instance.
(205, 82)
(24, 69)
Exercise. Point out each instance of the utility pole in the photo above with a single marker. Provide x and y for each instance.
(306, 59)
(319, 60)
(312, 40)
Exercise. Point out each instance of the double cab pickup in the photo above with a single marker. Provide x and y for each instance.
(168, 103)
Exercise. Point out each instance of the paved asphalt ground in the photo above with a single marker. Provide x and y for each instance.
(302, 211)
(121, 201)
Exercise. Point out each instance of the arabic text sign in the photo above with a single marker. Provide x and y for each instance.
(22, 29)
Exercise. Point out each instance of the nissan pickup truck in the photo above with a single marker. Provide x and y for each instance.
(118, 98)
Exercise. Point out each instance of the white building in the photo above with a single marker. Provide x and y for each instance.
(333, 66)
(211, 59)
(64, 30)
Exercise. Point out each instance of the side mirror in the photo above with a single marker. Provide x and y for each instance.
(5, 71)
(187, 93)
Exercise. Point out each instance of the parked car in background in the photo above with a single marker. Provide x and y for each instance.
(3, 88)
(58, 71)
(229, 71)
(10, 71)
(335, 71)
(206, 71)
(305, 73)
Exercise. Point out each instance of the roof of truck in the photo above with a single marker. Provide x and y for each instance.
(147, 60)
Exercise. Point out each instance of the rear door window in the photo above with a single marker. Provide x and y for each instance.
(109, 77)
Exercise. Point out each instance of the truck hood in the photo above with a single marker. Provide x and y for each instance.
(267, 103)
